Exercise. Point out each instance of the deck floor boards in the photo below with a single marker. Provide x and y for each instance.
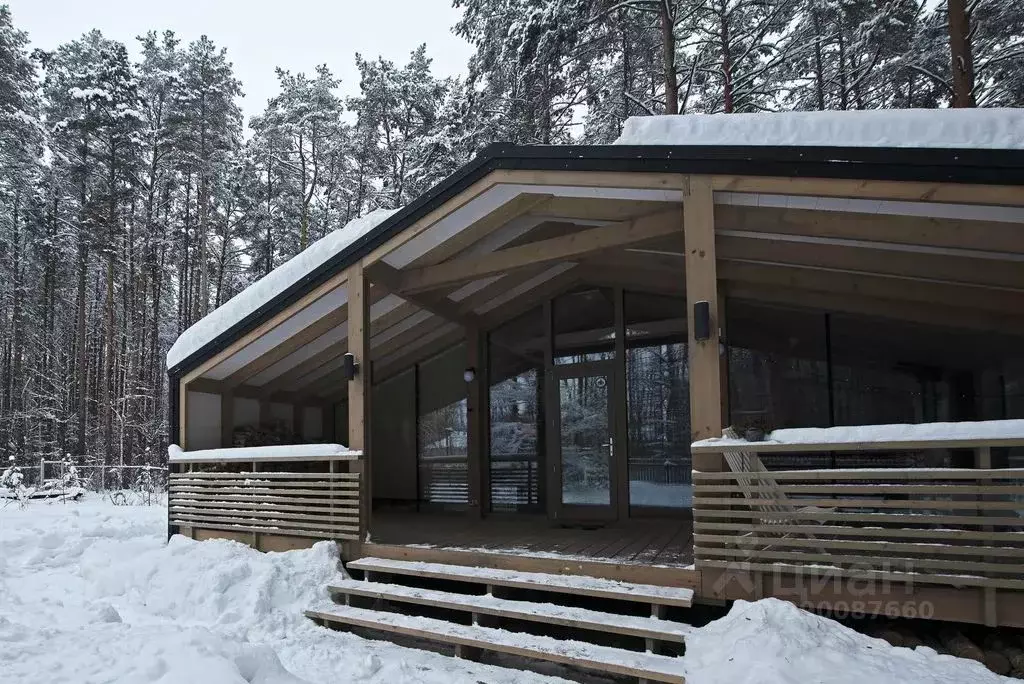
(643, 541)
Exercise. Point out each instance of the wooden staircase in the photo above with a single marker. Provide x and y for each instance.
(585, 622)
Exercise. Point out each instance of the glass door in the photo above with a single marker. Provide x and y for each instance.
(582, 442)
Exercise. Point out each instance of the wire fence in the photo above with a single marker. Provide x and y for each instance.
(122, 484)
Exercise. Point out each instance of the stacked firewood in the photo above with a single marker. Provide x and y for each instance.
(1000, 650)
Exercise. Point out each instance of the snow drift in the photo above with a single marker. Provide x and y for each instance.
(93, 593)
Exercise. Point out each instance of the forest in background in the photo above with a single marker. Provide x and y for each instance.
(134, 199)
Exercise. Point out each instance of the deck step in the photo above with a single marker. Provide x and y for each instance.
(566, 616)
(565, 584)
(656, 668)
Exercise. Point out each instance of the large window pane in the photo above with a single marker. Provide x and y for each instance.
(585, 439)
(516, 426)
(442, 430)
(778, 374)
(584, 326)
(658, 395)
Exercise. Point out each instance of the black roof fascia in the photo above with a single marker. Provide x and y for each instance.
(971, 166)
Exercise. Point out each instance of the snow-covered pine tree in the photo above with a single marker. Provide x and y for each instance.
(205, 123)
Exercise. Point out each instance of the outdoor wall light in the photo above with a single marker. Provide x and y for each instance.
(469, 375)
(701, 321)
(349, 367)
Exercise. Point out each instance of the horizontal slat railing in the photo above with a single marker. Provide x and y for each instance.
(947, 526)
(277, 498)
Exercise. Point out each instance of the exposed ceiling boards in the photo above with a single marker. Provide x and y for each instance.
(973, 212)
(872, 244)
(530, 284)
(334, 336)
(873, 236)
(496, 196)
(261, 345)
(299, 382)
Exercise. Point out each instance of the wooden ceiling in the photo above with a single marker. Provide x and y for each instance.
(904, 260)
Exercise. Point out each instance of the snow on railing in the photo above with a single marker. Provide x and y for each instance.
(283, 452)
(304, 490)
(954, 526)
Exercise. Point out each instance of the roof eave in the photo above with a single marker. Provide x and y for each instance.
(977, 166)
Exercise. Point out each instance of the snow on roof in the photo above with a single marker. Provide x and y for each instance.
(283, 452)
(938, 128)
(266, 288)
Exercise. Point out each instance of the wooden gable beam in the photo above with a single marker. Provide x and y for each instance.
(390, 278)
(873, 285)
(910, 231)
(564, 248)
(913, 191)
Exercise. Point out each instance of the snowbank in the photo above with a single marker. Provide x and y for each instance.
(859, 434)
(282, 452)
(93, 593)
(266, 288)
(940, 128)
(772, 641)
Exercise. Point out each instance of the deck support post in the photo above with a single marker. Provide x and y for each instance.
(702, 286)
(359, 386)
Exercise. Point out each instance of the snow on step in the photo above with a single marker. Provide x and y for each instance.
(649, 666)
(582, 618)
(566, 584)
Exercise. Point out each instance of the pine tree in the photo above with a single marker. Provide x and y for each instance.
(205, 124)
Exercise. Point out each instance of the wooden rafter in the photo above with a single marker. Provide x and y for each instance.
(913, 191)
(390, 278)
(563, 248)
(914, 231)
(935, 313)
(873, 285)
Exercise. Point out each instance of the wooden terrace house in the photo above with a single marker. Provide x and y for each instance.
(529, 366)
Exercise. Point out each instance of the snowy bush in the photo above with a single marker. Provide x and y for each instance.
(12, 480)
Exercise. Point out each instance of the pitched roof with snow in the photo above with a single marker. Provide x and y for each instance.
(269, 286)
(923, 128)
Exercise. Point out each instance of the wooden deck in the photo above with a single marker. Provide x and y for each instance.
(645, 541)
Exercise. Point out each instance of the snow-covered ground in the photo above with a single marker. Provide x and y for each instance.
(91, 592)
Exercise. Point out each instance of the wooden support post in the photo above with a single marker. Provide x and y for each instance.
(359, 387)
(475, 423)
(227, 419)
(183, 415)
(702, 285)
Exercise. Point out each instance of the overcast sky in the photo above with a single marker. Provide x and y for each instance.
(263, 34)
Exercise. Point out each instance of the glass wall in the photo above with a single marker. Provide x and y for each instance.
(658, 398)
(442, 437)
(584, 326)
(800, 368)
(516, 375)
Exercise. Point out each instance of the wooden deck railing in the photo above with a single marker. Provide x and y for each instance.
(317, 497)
(943, 526)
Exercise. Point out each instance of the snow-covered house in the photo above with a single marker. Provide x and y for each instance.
(531, 347)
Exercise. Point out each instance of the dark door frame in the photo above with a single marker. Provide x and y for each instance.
(557, 509)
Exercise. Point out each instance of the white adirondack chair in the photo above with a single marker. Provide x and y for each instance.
(765, 496)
